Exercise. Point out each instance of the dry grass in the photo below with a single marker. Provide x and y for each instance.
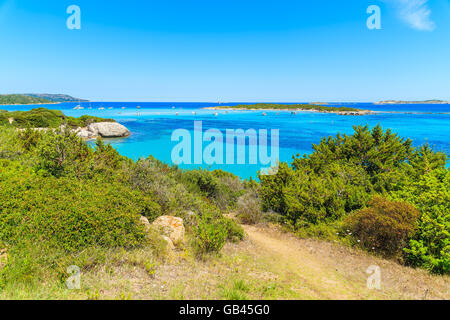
(269, 264)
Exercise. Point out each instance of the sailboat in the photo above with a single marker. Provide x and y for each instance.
(78, 107)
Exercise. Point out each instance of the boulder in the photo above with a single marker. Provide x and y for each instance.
(85, 133)
(171, 227)
(108, 130)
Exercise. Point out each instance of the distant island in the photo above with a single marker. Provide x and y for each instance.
(295, 108)
(86, 127)
(36, 98)
(413, 102)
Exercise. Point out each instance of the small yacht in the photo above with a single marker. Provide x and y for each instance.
(101, 108)
(110, 108)
(216, 114)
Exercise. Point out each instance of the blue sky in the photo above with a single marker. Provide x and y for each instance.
(227, 50)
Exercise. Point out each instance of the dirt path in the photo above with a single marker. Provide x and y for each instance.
(325, 270)
(268, 264)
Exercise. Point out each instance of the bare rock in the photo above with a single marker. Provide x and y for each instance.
(171, 227)
(108, 130)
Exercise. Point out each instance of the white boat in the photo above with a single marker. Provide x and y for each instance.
(216, 114)
(101, 108)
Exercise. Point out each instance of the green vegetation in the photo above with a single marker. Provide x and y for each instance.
(45, 118)
(55, 97)
(269, 106)
(384, 225)
(11, 99)
(63, 203)
(338, 181)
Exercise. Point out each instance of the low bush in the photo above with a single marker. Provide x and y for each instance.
(235, 232)
(67, 213)
(384, 225)
(209, 236)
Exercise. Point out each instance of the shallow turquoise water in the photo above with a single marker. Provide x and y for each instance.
(153, 124)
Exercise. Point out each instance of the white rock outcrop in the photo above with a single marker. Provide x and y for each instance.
(103, 130)
(109, 129)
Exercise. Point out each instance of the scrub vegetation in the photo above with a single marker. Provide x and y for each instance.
(64, 203)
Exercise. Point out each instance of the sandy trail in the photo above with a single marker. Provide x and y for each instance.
(325, 270)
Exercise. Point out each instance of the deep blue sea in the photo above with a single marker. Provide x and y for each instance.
(153, 124)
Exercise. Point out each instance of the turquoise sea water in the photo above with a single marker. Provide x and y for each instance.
(153, 124)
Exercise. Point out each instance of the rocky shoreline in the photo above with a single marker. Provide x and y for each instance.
(97, 130)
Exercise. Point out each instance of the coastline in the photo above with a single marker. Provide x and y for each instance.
(359, 113)
(29, 104)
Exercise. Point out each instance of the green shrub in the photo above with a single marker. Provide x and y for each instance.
(430, 246)
(46, 118)
(222, 188)
(210, 235)
(235, 232)
(67, 213)
(384, 225)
